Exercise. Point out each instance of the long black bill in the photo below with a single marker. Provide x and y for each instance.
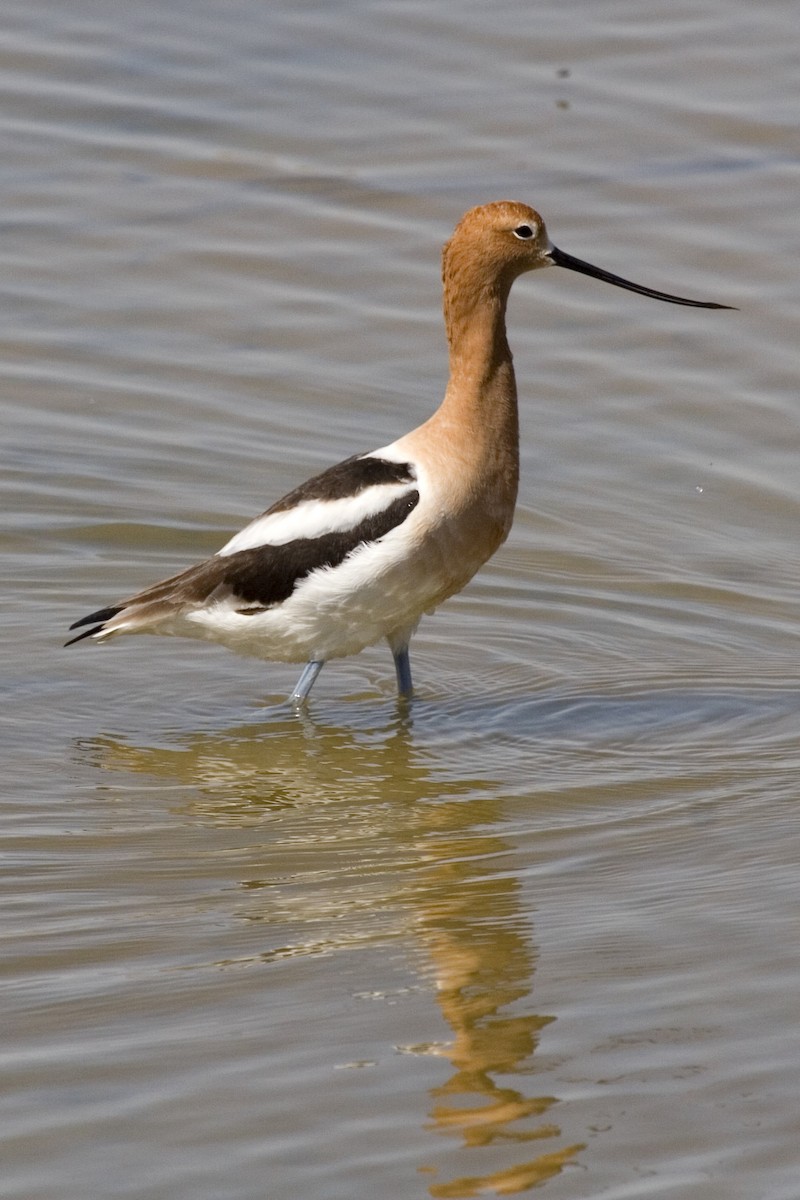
(577, 264)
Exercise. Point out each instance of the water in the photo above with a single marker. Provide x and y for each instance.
(541, 930)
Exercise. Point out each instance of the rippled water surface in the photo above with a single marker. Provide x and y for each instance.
(542, 928)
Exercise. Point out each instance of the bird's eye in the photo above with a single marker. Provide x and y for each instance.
(523, 231)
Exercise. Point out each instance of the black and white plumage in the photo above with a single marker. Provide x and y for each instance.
(358, 553)
(268, 592)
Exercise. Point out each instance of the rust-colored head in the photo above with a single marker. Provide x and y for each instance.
(495, 243)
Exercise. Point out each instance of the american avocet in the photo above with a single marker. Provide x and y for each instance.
(361, 551)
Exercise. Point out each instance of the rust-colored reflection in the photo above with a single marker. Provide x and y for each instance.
(479, 943)
(509, 1181)
(404, 842)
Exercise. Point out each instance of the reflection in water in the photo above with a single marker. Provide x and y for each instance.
(406, 841)
(469, 919)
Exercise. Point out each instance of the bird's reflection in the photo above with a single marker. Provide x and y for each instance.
(438, 864)
(479, 943)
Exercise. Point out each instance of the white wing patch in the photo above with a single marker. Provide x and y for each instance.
(315, 518)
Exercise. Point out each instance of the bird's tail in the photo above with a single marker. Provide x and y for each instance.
(97, 620)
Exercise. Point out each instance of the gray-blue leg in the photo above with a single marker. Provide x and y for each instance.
(402, 665)
(306, 681)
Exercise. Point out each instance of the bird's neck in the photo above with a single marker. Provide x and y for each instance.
(481, 397)
(470, 446)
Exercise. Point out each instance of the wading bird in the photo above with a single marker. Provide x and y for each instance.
(358, 553)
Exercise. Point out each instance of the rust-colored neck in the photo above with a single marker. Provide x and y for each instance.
(481, 396)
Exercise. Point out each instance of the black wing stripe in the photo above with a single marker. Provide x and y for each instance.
(347, 478)
(268, 575)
